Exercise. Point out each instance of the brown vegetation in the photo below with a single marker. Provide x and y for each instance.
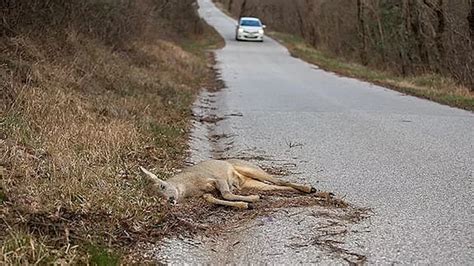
(89, 90)
(406, 38)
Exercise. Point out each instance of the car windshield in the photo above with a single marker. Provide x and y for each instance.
(250, 23)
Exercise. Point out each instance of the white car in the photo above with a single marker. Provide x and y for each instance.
(249, 29)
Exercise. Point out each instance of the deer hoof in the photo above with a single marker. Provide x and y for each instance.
(313, 190)
(250, 206)
(255, 198)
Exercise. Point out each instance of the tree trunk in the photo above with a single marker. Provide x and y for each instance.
(403, 31)
(377, 10)
(362, 31)
(301, 23)
(243, 9)
(314, 35)
(438, 9)
(470, 19)
(418, 31)
(440, 30)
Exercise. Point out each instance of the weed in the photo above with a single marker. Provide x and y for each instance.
(100, 256)
(3, 196)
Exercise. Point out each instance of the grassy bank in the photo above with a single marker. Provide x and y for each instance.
(430, 86)
(90, 90)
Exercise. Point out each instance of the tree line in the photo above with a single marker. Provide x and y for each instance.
(408, 37)
(116, 23)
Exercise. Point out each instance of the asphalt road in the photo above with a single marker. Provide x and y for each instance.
(410, 160)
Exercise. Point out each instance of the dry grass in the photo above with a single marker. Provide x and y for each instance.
(77, 115)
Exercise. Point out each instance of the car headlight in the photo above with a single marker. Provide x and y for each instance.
(241, 30)
(260, 32)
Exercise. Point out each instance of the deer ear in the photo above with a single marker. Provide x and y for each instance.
(153, 178)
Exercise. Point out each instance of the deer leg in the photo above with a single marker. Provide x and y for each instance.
(260, 175)
(259, 185)
(224, 189)
(236, 204)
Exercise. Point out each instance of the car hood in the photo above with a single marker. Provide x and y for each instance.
(251, 29)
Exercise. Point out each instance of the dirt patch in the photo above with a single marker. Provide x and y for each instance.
(199, 218)
(217, 137)
(211, 119)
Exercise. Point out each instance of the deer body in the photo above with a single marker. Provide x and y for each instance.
(223, 176)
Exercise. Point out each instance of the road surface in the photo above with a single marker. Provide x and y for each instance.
(408, 159)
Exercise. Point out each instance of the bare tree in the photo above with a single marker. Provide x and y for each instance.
(404, 36)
